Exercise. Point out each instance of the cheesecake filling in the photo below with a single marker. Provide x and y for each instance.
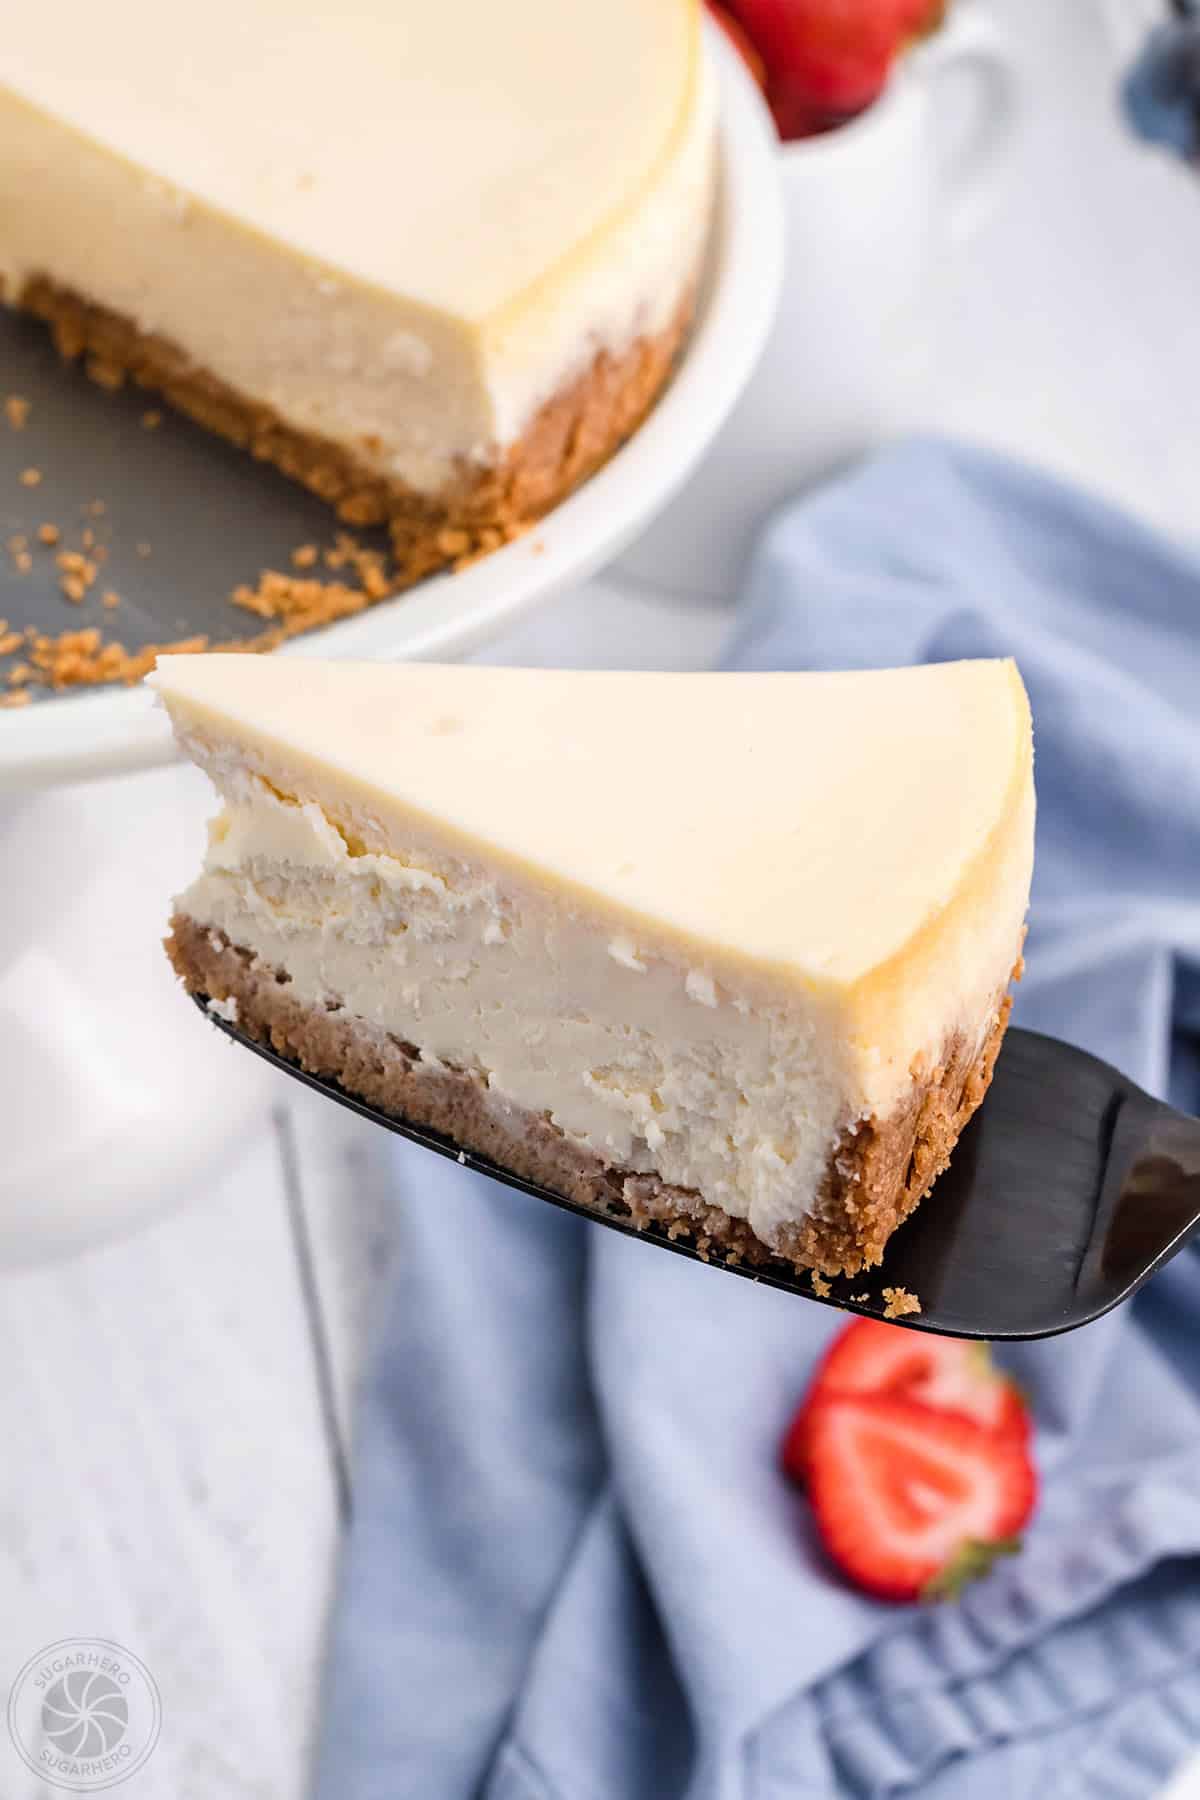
(709, 1078)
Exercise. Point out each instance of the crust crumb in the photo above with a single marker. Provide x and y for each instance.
(17, 410)
(83, 659)
(79, 572)
(898, 1302)
(31, 478)
(106, 372)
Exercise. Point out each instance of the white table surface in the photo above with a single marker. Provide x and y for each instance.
(175, 1408)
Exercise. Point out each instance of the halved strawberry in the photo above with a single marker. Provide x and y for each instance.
(911, 1503)
(954, 1375)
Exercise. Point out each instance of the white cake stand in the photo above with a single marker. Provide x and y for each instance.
(115, 1100)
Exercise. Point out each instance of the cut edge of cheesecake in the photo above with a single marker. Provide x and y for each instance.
(489, 503)
(878, 1171)
(868, 1164)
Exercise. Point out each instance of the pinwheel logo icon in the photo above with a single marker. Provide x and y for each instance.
(84, 1714)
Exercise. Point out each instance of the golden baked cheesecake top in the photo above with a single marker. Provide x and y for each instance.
(810, 826)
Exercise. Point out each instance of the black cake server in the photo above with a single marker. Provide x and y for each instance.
(1069, 1188)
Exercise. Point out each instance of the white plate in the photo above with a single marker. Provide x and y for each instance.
(81, 736)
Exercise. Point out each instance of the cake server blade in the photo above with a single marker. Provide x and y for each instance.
(1069, 1189)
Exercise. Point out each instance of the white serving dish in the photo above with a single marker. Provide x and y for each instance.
(80, 736)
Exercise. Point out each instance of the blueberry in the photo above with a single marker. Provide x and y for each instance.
(1161, 92)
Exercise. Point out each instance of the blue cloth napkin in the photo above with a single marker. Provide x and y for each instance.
(574, 1571)
(1161, 92)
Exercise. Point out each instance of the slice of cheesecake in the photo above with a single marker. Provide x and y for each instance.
(432, 260)
(731, 951)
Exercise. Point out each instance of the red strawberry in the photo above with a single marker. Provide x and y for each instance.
(741, 42)
(827, 59)
(911, 1503)
(948, 1374)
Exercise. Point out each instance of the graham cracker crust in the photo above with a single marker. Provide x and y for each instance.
(878, 1172)
(574, 432)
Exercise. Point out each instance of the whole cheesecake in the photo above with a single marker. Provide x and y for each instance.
(729, 951)
(432, 260)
